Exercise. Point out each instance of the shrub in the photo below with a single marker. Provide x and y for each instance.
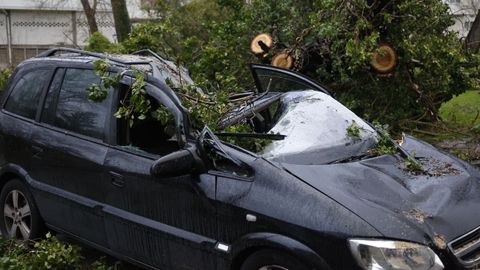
(4, 76)
(46, 254)
(99, 43)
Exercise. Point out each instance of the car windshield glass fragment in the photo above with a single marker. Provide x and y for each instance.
(318, 130)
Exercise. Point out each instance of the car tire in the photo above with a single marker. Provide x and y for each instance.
(20, 218)
(272, 260)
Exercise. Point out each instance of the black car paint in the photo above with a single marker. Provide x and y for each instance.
(105, 196)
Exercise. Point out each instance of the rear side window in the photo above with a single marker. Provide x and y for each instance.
(74, 110)
(26, 93)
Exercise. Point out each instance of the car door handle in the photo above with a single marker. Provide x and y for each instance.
(117, 179)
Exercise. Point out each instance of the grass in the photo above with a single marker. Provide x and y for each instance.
(460, 131)
(462, 111)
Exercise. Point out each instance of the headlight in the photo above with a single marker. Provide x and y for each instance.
(393, 255)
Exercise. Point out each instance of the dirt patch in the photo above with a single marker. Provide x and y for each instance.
(431, 167)
(464, 148)
(440, 168)
(417, 215)
(439, 241)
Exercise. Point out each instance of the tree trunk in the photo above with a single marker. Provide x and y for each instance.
(121, 18)
(90, 14)
(473, 38)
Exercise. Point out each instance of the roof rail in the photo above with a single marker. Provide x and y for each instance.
(151, 53)
(92, 54)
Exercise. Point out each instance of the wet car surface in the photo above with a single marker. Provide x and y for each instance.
(317, 197)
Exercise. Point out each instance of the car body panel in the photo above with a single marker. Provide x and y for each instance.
(152, 218)
(413, 207)
(268, 195)
(106, 196)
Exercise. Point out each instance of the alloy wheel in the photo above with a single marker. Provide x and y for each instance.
(17, 215)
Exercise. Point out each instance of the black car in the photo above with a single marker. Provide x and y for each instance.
(171, 197)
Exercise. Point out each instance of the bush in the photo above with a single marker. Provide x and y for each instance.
(462, 112)
(45, 254)
(99, 43)
(4, 76)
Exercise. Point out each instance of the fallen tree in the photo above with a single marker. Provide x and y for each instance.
(391, 61)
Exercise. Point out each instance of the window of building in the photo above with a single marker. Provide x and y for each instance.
(27, 92)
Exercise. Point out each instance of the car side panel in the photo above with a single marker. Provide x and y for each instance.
(14, 140)
(168, 223)
(70, 171)
(284, 205)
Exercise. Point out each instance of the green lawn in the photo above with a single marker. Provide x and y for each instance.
(462, 111)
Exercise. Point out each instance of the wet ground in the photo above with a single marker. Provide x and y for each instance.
(464, 148)
(91, 255)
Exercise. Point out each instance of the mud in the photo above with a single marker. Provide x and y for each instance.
(439, 241)
(417, 215)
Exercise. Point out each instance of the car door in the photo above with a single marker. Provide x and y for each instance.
(272, 79)
(19, 112)
(68, 163)
(164, 222)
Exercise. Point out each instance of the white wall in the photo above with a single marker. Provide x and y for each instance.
(464, 12)
(67, 5)
(3, 32)
(134, 6)
(40, 24)
(41, 27)
(105, 25)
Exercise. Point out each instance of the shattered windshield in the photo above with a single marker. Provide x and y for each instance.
(318, 130)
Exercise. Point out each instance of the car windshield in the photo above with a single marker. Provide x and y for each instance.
(318, 130)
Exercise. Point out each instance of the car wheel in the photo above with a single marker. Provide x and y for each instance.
(272, 260)
(20, 218)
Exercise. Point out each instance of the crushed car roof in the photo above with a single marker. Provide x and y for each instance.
(144, 60)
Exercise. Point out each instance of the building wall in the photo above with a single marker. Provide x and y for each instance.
(37, 25)
(41, 27)
(33, 31)
(464, 12)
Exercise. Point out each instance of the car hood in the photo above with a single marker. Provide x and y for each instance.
(434, 207)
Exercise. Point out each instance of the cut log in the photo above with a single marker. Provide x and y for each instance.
(283, 60)
(384, 59)
(261, 44)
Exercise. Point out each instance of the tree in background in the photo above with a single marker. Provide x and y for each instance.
(121, 18)
(90, 12)
(90, 8)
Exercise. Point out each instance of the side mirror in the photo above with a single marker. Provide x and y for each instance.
(182, 162)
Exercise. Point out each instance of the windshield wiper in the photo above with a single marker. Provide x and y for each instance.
(273, 137)
(207, 137)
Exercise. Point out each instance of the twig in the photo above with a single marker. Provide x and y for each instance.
(476, 118)
(426, 132)
(197, 99)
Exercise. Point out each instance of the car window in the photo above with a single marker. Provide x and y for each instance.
(48, 113)
(154, 135)
(74, 110)
(26, 93)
